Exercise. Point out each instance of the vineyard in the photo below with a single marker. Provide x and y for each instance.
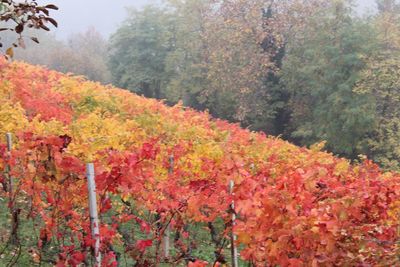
(162, 176)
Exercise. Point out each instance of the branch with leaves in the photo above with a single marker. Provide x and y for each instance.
(27, 14)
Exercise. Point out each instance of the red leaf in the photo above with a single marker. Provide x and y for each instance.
(149, 151)
(198, 263)
(143, 244)
(79, 256)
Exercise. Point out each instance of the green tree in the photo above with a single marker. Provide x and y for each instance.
(138, 52)
(322, 67)
(186, 63)
(380, 81)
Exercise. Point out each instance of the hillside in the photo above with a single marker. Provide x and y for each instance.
(160, 167)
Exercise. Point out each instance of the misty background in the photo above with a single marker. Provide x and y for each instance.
(105, 16)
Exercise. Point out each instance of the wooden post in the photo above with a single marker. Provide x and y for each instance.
(166, 239)
(9, 141)
(94, 220)
(14, 215)
(234, 253)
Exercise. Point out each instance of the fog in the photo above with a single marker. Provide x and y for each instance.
(77, 15)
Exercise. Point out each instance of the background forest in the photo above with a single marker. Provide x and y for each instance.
(308, 71)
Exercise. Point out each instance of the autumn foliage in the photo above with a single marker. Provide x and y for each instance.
(294, 206)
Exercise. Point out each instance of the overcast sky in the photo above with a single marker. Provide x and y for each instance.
(78, 15)
(105, 15)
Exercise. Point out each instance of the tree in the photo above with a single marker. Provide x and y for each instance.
(322, 67)
(138, 51)
(89, 51)
(223, 56)
(186, 63)
(82, 54)
(21, 15)
(380, 81)
(237, 61)
(243, 43)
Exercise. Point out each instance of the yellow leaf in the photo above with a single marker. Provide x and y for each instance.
(318, 146)
(244, 238)
(341, 167)
(10, 52)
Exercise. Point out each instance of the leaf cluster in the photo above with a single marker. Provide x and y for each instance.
(27, 14)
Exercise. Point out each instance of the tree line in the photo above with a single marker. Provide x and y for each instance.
(308, 71)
